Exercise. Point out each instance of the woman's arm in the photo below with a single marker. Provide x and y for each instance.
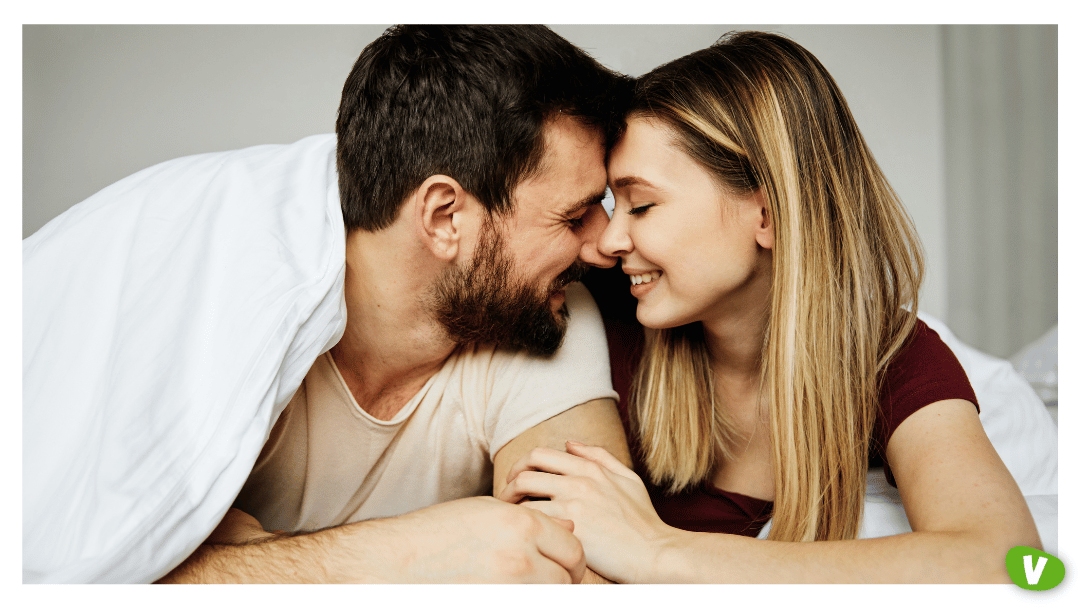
(965, 511)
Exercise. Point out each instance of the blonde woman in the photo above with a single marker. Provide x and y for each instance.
(776, 273)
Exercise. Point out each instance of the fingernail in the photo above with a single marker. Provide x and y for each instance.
(572, 442)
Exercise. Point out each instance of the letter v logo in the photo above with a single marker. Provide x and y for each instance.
(1033, 574)
(1034, 570)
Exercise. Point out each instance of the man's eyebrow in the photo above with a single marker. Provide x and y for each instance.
(585, 203)
(633, 180)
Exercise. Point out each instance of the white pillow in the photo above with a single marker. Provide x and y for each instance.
(1037, 363)
(167, 321)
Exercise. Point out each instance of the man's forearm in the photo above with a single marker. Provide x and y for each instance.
(309, 558)
(469, 540)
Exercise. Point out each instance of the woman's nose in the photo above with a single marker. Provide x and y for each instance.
(615, 240)
(595, 221)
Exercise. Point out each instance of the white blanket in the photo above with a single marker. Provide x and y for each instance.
(167, 321)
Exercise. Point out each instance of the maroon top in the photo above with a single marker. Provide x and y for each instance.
(923, 372)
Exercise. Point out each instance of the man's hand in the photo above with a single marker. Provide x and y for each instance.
(478, 540)
(471, 540)
(594, 422)
(608, 503)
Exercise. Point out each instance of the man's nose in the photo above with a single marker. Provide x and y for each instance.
(595, 221)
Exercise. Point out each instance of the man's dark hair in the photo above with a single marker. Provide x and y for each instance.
(468, 102)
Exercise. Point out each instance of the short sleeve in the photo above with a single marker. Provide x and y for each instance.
(925, 371)
(525, 390)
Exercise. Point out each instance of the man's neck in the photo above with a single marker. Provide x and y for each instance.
(392, 344)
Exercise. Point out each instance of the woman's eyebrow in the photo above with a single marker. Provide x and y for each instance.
(633, 180)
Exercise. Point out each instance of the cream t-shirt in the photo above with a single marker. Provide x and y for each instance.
(327, 462)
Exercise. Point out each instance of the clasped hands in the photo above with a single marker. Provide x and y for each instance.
(598, 513)
(605, 502)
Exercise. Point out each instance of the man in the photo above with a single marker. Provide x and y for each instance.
(470, 166)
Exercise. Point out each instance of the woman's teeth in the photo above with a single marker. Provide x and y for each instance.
(649, 277)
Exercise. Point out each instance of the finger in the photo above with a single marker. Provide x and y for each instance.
(547, 570)
(553, 461)
(566, 523)
(548, 547)
(561, 547)
(601, 457)
(556, 544)
(552, 510)
(529, 462)
(533, 484)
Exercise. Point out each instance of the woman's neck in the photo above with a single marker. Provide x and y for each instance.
(735, 353)
(735, 339)
(735, 336)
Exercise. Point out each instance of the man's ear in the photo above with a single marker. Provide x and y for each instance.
(764, 233)
(441, 206)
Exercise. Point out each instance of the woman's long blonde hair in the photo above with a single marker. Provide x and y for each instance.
(760, 112)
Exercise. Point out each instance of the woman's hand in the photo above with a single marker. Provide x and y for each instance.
(611, 510)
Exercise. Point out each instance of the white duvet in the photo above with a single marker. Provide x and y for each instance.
(167, 321)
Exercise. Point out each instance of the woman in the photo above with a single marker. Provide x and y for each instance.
(775, 269)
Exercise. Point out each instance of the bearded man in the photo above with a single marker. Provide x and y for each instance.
(469, 167)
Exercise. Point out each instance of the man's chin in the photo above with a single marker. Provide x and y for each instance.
(545, 336)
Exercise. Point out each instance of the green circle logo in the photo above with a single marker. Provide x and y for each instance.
(1032, 569)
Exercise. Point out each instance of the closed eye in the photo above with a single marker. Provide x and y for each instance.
(640, 209)
(575, 216)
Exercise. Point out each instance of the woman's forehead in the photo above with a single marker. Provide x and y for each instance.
(646, 156)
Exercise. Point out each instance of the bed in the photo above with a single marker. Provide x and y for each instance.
(125, 476)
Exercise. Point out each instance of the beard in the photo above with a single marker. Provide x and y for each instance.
(487, 302)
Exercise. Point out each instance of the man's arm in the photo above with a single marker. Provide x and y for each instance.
(594, 421)
(471, 540)
(468, 540)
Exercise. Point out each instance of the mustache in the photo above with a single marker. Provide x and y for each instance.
(575, 272)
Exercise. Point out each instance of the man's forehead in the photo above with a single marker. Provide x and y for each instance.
(573, 197)
(574, 153)
(571, 175)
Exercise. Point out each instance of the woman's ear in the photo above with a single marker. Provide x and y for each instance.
(764, 233)
(440, 204)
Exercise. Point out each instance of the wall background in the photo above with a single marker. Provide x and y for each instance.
(101, 102)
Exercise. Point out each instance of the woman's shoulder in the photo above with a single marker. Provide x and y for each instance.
(924, 368)
(924, 371)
